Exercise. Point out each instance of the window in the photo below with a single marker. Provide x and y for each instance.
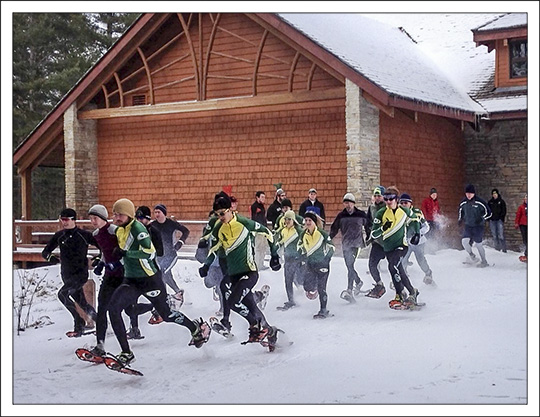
(518, 59)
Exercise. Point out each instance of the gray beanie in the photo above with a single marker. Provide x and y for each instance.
(349, 197)
(100, 211)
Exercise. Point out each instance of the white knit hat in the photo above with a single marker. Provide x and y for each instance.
(100, 211)
(349, 197)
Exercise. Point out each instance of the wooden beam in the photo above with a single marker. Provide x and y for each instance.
(26, 194)
(384, 108)
(40, 147)
(291, 71)
(185, 27)
(148, 75)
(258, 60)
(120, 89)
(219, 104)
(204, 77)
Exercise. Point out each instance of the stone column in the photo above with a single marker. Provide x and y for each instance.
(81, 158)
(363, 161)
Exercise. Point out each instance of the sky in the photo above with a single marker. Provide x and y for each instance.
(473, 347)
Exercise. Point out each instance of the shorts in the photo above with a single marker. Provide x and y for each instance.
(476, 233)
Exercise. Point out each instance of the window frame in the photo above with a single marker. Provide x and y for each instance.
(511, 60)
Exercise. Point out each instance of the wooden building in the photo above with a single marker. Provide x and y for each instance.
(185, 104)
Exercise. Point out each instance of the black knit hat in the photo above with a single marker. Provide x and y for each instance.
(433, 191)
(405, 198)
(286, 203)
(68, 212)
(143, 212)
(222, 203)
(161, 207)
(310, 215)
(470, 189)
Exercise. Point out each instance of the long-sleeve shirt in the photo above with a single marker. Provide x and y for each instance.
(473, 212)
(288, 238)
(235, 238)
(73, 244)
(350, 225)
(107, 241)
(168, 235)
(140, 258)
(392, 225)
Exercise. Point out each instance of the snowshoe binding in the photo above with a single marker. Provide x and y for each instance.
(201, 335)
(347, 296)
(262, 296)
(95, 355)
(256, 334)
(288, 305)
(377, 291)
(218, 326)
(121, 363)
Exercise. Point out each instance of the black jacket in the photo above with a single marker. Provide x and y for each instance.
(498, 208)
(274, 211)
(73, 244)
(350, 225)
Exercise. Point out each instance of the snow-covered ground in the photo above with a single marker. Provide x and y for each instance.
(473, 344)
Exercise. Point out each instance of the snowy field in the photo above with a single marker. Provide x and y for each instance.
(467, 347)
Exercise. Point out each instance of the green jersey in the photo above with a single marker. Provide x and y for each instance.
(395, 223)
(139, 260)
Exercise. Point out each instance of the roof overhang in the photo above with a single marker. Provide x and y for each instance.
(489, 38)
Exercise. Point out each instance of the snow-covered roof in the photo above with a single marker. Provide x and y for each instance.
(384, 55)
(508, 21)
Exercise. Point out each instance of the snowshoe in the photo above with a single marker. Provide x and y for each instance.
(217, 326)
(288, 305)
(79, 333)
(412, 298)
(201, 334)
(256, 334)
(347, 296)
(471, 259)
(397, 303)
(121, 363)
(176, 301)
(271, 338)
(263, 296)
(358, 288)
(95, 355)
(377, 291)
(322, 314)
(523, 259)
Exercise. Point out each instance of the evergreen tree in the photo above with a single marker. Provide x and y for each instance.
(51, 52)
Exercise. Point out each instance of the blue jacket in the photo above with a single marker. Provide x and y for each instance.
(473, 212)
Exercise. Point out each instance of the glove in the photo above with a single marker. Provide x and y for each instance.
(98, 269)
(178, 245)
(415, 239)
(274, 263)
(118, 252)
(111, 266)
(95, 261)
(203, 271)
(53, 259)
(203, 243)
(387, 226)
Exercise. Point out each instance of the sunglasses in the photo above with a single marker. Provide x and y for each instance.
(390, 197)
(221, 213)
(66, 219)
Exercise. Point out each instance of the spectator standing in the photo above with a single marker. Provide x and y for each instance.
(312, 204)
(275, 209)
(521, 224)
(351, 222)
(473, 213)
(258, 214)
(432, 210)
(73, 243)
(496, 222)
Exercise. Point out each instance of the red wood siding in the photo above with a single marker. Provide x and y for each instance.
(182, 160)
(422, 155)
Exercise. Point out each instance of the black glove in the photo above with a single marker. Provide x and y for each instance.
(274, 263)
(203, 243)
(118, 252)
(98, 269)
(415, 239)
(111, 266)
(386, 226)
(178, 245)
(53, 259)
(95, 261)
(203, 270)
